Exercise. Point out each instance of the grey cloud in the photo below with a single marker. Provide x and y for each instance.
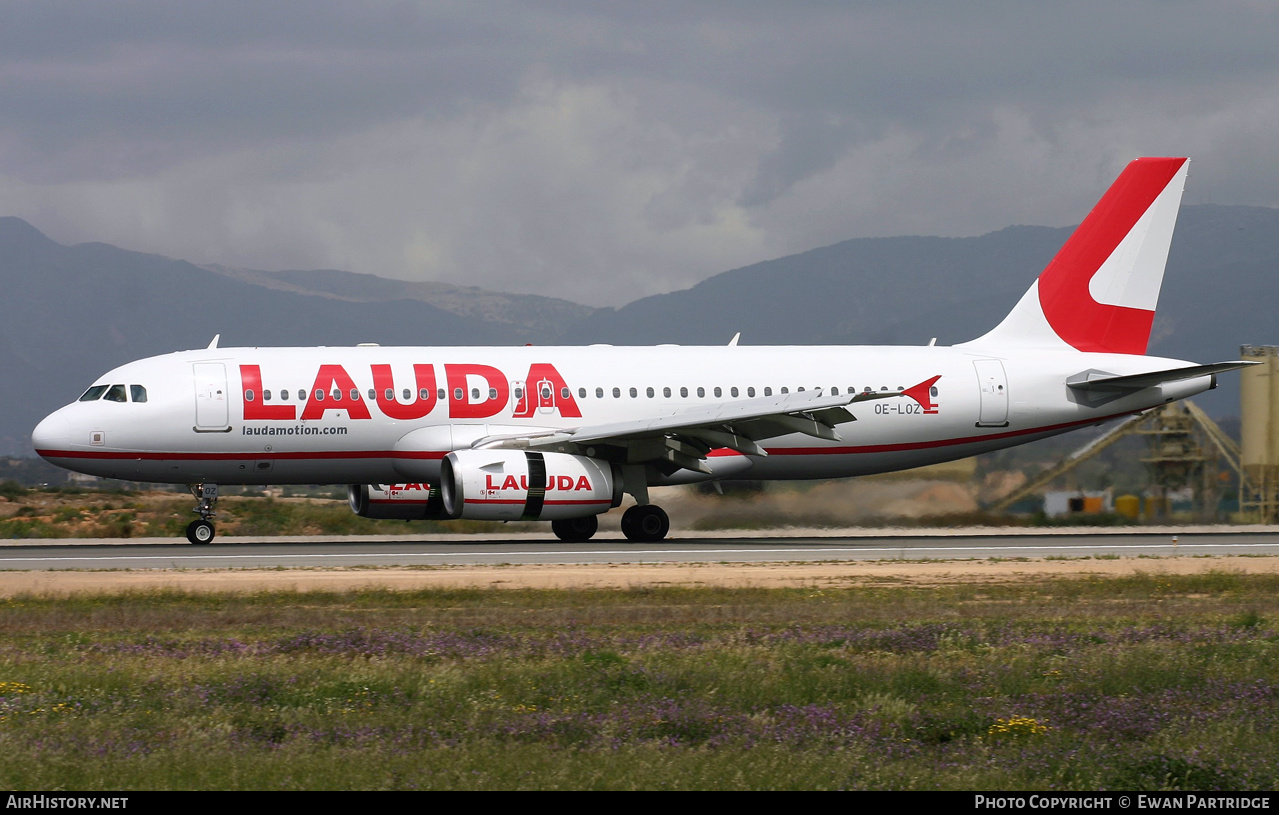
(602, 151)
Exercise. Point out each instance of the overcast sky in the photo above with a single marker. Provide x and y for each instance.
(603, 151)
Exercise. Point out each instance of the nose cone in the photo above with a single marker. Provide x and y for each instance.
(52, 434)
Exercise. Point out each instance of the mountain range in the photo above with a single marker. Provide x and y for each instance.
(70, 313)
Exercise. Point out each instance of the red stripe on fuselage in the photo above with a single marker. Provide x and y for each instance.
(321, 455)
(392, 454)
(924, 445)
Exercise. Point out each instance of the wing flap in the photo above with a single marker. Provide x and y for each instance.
(723, 417)
(683, 438)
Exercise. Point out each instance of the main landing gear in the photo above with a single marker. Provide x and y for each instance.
(645, 524)
(640, 524)
(575, 530)
(202, 531)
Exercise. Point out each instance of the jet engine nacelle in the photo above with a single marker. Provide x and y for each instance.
(401, 502)
(506, 485)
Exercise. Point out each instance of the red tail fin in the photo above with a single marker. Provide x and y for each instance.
(1099, 293)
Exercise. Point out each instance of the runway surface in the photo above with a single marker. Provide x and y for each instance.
(363, 552)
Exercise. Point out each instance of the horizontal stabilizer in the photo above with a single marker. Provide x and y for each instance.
(1100, 382)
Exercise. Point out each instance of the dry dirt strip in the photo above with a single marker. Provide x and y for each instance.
(618, 576)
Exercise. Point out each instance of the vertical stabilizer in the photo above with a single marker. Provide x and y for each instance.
(1100, 291)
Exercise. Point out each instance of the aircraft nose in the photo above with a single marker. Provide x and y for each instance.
(52, 433)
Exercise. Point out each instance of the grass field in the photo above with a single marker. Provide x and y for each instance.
(71, 513)
(1135, 683)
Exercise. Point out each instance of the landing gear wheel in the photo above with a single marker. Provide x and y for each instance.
(646, 524)
(206, 496)
(199, 531)
(575, 530)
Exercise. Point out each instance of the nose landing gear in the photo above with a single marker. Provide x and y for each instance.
(202, 531)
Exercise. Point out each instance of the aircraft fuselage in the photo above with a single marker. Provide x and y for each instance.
(384, 415)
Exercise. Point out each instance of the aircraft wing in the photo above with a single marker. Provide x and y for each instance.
(1109, 383)
(683, 437)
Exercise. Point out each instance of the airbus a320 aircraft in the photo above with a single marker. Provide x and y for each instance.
(561, 434)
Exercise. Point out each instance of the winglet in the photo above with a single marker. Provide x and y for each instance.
(922, 393)
(733, 342)
(214, 344)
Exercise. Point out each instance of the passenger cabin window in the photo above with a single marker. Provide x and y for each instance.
(733, 391)
(581, 392)
(284, 395)
(666, 392)
(701, 393)
(94, 394)
(768, 391)
(565, 394)
(649, 391)
(683, 392)
(266, 396)
(617, 393)
(750, 391)
(634, 393)
(116, 394)
(719, 392)
(422, 394)
(599, 393)
(248, 394)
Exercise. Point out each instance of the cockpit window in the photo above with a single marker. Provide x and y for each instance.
(94, 394)
(116, 394)
(137, 393)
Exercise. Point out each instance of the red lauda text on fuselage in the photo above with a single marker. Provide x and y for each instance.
(335, 389)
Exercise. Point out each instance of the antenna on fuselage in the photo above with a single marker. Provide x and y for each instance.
(214, 344)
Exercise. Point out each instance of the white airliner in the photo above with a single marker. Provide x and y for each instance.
(562, 433)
